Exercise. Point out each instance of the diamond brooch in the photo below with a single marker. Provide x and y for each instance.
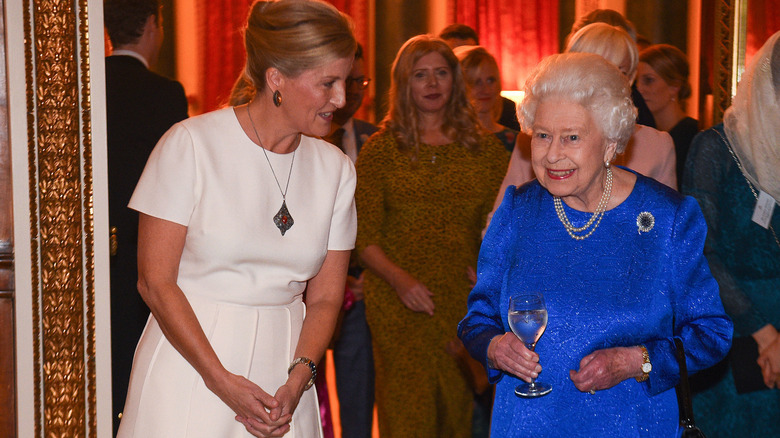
(645, 222)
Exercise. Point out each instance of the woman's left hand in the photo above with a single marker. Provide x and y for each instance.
(605, 368)
(769, 361)
(288, 397)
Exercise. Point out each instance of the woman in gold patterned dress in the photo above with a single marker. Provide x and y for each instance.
(426, 183)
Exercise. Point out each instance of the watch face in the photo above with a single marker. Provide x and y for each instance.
(646, 368)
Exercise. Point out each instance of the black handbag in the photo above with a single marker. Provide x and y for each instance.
(684, 397)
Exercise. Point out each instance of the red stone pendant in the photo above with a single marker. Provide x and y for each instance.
(283, 219)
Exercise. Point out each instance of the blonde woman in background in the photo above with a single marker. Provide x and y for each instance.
(649, 151)
(483, 82)
(426, 182)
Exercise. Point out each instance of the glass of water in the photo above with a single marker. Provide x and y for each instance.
(528, 319)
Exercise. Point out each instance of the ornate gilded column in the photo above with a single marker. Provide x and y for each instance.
(729, 61)
(58, 98)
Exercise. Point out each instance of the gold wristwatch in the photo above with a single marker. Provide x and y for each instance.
(646, 365)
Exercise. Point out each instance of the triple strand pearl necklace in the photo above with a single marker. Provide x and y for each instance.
(594, 220)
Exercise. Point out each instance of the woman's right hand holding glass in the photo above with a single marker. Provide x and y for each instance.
(252, 405)
(507, 353)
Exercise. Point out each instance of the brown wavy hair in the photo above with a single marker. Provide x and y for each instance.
(460, 120)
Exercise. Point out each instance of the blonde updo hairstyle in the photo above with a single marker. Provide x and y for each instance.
(612, 43)
(460, 120)
(294, 36)
(474, 58)
(671, 64)
(590, 81)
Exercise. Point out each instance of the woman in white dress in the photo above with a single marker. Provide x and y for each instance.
(241, 210)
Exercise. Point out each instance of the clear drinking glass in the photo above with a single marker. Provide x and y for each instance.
(528, 319)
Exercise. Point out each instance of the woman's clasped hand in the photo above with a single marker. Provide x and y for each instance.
(605, 368)
(768, 340)
(263, 415)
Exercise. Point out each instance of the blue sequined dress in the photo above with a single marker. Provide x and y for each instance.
(619, 287)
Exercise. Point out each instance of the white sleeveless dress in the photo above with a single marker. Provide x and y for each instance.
(244, 280)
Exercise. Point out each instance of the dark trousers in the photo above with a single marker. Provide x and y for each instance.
(354, 363)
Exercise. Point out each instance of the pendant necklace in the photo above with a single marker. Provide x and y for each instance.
(594, 221)
(283, 219)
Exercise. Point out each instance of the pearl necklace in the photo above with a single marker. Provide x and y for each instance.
(594, 220)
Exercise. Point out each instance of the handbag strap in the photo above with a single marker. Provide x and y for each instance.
(683, 389)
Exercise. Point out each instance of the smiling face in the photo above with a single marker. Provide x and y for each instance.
(310, 99)
(431, 83)
(568, 152)
(484, 88)
(657, 93)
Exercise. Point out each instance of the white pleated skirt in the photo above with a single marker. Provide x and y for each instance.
(167, 397)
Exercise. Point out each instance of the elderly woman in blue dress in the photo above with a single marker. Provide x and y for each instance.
(618, 257)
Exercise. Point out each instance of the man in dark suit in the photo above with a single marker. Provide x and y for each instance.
(140, 107)
(352, 354)
(349, 133)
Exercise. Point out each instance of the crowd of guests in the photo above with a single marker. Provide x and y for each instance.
(281, 226)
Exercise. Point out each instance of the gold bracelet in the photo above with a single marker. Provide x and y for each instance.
(309, 363)
(646, 365)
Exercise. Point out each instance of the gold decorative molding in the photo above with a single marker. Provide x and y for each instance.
(61, 219)
(89, 215)
(723, 62)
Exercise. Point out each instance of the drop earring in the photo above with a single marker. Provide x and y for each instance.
(277, 98)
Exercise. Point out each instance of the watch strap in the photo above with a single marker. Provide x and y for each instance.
(645, 360)
(309, 363)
